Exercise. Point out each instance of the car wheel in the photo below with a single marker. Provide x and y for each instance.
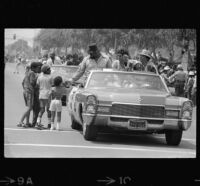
(75, 125)
(173, 137)
(89, 132)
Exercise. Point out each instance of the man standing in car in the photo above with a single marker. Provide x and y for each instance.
(145, 58)
(95, 60)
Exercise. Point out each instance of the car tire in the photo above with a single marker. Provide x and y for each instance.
(75, 125)
(89, 132)
(173, 137)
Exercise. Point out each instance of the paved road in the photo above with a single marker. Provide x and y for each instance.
(28, 143)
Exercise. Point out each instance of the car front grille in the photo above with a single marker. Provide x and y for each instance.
(138, 110)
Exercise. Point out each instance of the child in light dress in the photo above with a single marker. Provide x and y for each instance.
(56, 104)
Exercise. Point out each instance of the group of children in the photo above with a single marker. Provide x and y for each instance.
(41, 91)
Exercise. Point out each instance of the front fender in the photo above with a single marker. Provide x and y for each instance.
(175, 102)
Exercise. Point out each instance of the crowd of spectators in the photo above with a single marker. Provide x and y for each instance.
(122, 60)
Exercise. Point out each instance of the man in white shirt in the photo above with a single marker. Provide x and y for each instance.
(145, 58)
(95, 60)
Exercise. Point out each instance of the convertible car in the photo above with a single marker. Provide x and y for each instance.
(132, 101)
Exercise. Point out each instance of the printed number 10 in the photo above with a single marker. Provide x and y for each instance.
(123, 180)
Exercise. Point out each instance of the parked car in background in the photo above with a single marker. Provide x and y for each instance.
(137, 102)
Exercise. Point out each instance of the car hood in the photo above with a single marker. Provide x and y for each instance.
(132, 96)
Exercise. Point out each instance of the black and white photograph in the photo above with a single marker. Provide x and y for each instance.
(100, 93)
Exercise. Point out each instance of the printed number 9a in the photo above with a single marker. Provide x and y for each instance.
(22, 181)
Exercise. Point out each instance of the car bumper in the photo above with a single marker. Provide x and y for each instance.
(152, 124)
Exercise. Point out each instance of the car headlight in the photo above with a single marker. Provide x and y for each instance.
(186, 115)
(91, 109)
(91, 104)
(187, 110)
(172, 113)
(91, 100)
(187, 105)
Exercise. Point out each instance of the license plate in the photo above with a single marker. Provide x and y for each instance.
(137, 124)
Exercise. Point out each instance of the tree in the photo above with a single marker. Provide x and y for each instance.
(185, 36)
(115, 38)
(169, 39)
(20, 46)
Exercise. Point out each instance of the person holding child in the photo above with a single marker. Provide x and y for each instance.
(36, 102)
(44, 82)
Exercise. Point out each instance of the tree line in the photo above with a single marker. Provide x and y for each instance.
(113, 38)
(19, 46)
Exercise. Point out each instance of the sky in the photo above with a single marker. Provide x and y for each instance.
(25, 34)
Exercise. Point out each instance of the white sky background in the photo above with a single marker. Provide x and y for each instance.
(25, 34)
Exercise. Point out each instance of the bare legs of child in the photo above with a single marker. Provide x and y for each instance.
(58, 120)
(53, 114)
(43, 103)
(38, 123)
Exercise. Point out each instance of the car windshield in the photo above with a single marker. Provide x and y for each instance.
(64, 71)
(125, 80)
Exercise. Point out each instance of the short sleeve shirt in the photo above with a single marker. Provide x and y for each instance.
(89, 64)
(58, 92)
(44, 81)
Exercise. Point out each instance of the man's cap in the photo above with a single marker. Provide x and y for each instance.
(146, 53)
(167, 68)
(45, 67)
(180, 67)
(34, 64)
(93, 47)
(191, 73)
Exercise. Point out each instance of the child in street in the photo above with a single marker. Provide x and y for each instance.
(28, 84)
(56, 104)
(44, 82)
